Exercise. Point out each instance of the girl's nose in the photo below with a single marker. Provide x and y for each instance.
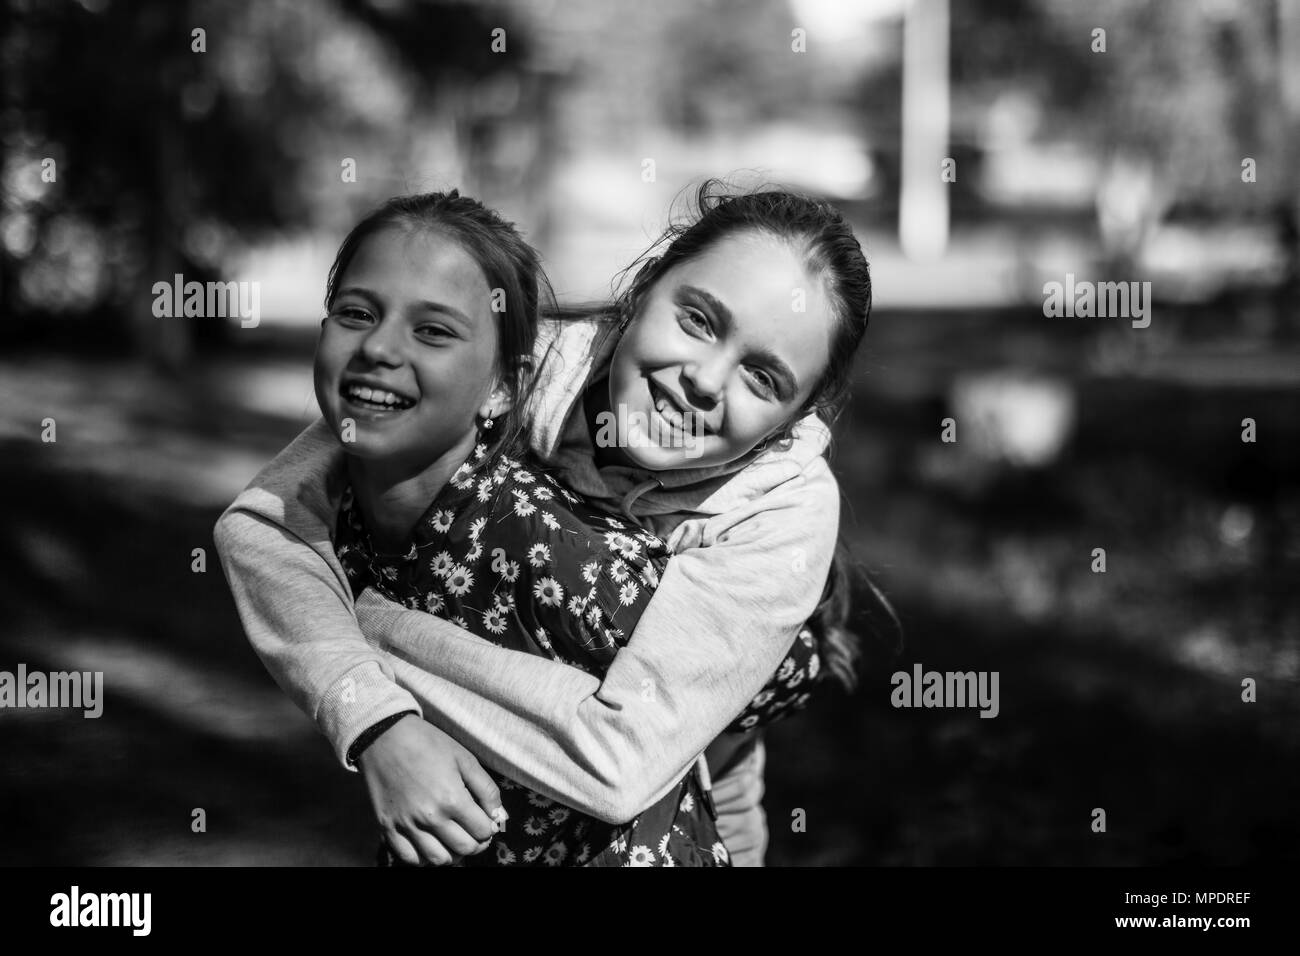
(707, 378)
(381, 345)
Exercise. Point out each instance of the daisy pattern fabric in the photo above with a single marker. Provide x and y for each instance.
(516, 558)
(790, 688)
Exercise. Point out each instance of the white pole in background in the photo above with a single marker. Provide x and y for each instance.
(923, 200)
(1288, 15)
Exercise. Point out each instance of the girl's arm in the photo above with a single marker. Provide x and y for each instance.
(431, 798)
(724, 616)
(294, 599)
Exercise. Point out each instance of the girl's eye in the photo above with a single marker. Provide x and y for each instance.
(353, 314)
(436, 332)
(763, 381)
(693, 320)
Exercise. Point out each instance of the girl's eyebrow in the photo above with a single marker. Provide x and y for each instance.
(360, 293)
(376, 301)
(716, 306)
(448, 310)
(787, 384)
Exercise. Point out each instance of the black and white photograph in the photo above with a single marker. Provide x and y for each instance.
(613, 433)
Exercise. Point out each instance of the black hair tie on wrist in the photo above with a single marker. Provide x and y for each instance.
(371, 734)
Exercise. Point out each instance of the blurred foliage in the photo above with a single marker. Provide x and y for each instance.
(168, 156)
(1190, 87)
(741, 72)
(171, 160)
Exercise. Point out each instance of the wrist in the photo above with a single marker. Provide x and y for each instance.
(356, 701)
(373, 733)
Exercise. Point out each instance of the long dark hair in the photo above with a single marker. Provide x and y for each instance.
(817, 231)
(508, 262)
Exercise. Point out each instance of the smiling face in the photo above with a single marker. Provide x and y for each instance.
(408, 351)
(716, 344)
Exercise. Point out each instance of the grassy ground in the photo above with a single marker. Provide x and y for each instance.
(1119, 691)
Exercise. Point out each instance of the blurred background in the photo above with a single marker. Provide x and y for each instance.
(128, 155)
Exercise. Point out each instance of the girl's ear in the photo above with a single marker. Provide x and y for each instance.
(499, 401)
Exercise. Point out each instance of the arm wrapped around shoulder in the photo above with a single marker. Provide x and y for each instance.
(293, 598)
(723, 618)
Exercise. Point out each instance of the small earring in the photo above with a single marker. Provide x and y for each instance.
(487, 423)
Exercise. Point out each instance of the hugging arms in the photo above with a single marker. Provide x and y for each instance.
(606, 747)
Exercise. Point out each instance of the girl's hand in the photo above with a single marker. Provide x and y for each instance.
(433, 800)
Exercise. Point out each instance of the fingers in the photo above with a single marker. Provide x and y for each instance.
(401, 848)
(451, 835)
(476, 824)
(428, 849)
(485, 793)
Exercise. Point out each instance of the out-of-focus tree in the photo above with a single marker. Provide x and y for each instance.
(1181, 94)
(740, 69)
(182, 129)
(1187, 92)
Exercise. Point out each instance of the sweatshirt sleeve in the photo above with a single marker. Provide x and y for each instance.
(293, 597)
(722, 619)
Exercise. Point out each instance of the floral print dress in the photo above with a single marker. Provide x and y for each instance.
(513, 556)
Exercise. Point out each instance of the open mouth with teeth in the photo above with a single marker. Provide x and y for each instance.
(676, 418)
(363, 396)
